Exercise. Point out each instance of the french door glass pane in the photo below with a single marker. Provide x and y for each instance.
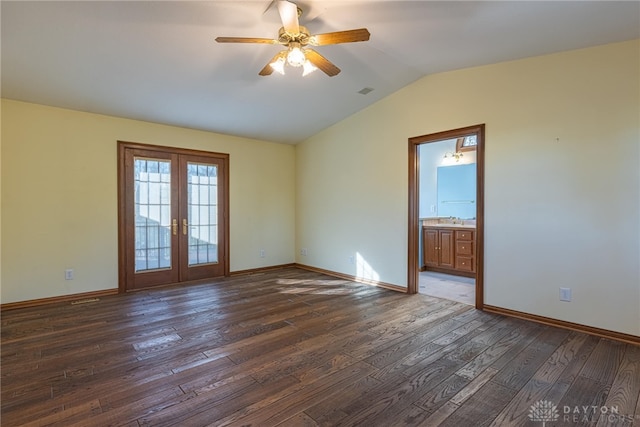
(202, 199)
(152, 198)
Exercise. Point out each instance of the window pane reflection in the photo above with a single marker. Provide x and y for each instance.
(202, 189)
(152, 198)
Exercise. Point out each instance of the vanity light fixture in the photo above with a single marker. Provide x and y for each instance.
(449, 156)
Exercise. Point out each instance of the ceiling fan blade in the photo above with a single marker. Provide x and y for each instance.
(270, 6)
(266, 71)
(289, 16)
(349, 36)
(321, 62)
(245, 40)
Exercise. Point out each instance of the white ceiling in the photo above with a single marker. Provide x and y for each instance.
(157, 60)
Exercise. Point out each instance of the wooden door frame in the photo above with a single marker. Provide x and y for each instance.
(414, 199)
(122, 146)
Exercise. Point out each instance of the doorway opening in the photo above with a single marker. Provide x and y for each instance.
(446, 221)
(172, 215)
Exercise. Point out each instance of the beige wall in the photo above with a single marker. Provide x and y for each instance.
(562, 190)
(59, 197)
(0, 201)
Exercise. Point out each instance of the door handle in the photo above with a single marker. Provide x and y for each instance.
(184, 226)
(174, 227)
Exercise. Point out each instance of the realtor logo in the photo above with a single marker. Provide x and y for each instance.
(544, 411)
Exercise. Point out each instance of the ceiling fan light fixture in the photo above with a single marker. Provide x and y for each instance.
(295, 57)
(278, 65)
(308, 68)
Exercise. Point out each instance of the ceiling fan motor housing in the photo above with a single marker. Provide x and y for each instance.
(302, 37)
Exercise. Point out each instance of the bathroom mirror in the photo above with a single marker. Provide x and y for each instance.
(457, 191)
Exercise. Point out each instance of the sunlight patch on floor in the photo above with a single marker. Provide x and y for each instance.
(335, 282)
(316, 291)
(318, 287)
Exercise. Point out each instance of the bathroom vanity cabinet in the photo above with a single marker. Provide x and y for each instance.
(449, 249)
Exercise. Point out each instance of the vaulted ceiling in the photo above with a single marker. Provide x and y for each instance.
(157, 60)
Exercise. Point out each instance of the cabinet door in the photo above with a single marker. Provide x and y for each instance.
(430, 254)
(447, 248)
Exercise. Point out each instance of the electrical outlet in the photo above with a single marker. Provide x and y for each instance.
(352, 260)
(565, 294)
(303, 252)
(262, 253)
(68, 274)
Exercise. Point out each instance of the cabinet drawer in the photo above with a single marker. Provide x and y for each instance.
(464, 247)
(464, 263)
(464, 235)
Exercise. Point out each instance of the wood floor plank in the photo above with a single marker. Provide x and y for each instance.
(604, 362)
(329, 411)
(269, 412)
(211, 401)
(206, 412)
(291, 347)
(130, 413)
(539, 385)
(299, 420)
(571, 372)
(583, 401)
(526, 363)
(480, 409)
(519, 333)
(67, 416)
(440, 394)
(443, 412)
(624, 394)
(389, 398)
(431, 352)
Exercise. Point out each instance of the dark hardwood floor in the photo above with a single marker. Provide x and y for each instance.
(295, 348)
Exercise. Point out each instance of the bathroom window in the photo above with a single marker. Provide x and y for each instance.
(467, 143)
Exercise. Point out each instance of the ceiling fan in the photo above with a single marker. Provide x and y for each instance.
(296, 39)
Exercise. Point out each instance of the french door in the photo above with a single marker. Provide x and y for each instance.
(173, 221)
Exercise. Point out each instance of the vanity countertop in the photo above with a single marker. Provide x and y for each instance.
(448, 222)
(445, 225)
